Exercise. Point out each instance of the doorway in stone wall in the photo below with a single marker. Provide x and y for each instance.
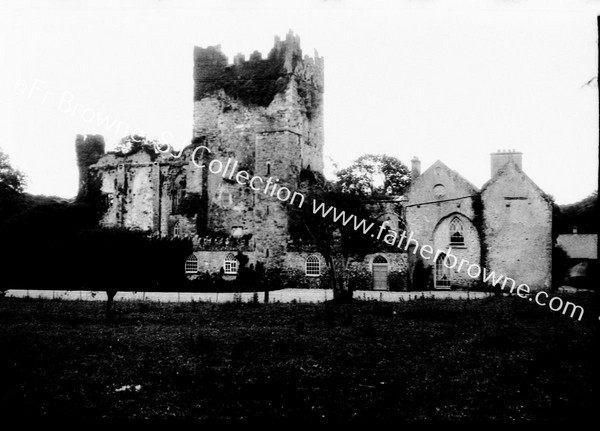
(380, 273)
(442, 273)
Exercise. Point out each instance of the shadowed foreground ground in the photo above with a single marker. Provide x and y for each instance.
(489, 359)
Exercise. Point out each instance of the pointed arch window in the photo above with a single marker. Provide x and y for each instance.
(191, 265)
(176, 229)
(313, 266)
(231, 264)
(457, 236)
(442, 273)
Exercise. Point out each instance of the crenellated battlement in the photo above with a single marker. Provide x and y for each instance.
(256, 80)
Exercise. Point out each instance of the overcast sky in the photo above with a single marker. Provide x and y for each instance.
(447, 80)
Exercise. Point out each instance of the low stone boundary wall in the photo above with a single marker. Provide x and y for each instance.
(283, 295)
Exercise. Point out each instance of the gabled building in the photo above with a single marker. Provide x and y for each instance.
(505, 227)
(440, 212)
(517, 224)
(258, 125)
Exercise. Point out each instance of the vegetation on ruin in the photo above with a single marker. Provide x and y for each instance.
(190, 204)
(132, 144)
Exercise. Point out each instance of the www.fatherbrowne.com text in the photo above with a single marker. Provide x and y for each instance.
(402, 240)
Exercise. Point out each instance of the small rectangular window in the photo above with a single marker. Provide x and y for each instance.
(231, 264)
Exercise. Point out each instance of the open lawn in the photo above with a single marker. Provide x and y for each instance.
(490, 359)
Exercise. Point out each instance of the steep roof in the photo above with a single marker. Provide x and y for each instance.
(507, 169)
(452, 173)
(579, 246)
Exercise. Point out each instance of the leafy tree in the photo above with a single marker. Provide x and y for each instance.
(338, 243)
(11, 200)
(10, 178)
(119, 259)
(582, 214)
(12, 183)
(53, 243)
(374, 176)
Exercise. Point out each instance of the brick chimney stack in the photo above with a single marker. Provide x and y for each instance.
(415, 168)
(502, 157)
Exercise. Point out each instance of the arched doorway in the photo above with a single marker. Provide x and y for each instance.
(380, 273)
(442, 273)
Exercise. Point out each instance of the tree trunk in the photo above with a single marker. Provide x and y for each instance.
(110, 294)
(346, 290)
(339, 275)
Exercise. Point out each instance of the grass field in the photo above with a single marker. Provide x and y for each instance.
(492, 359)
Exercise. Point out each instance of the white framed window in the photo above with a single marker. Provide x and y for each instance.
(456, 232)
(191, 265)
(231, 264)
(176, 229)
(313, 266)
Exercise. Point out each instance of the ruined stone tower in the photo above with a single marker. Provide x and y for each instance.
(267, 114)
(89, 149)
(264, 114)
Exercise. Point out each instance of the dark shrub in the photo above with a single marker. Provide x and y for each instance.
(397, 281)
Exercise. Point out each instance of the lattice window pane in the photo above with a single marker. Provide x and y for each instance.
(231, 264)
(313, 266)
(191, 264)
(456, 232)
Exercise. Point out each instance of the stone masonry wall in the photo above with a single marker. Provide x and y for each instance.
(437, 195)
(267, 115)
(470, 252)
(518, 228)
(213, 261)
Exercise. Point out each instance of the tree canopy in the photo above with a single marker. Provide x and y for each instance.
(582, 214)
(338, 241)
(10, 178)
(375, 175)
